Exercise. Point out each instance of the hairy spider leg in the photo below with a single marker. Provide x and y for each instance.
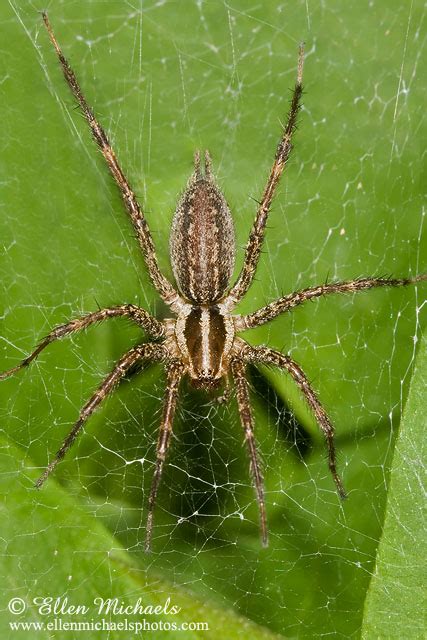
(149, 351)
(246, 417)
(292, 300)
(151, 325)
(174, 375)
(161, 283)
(256, 237)
(264, 355)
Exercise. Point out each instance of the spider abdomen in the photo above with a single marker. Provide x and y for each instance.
(202, 241)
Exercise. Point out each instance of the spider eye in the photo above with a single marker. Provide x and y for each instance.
(206, 382)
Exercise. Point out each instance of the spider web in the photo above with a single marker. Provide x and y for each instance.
(166, 78)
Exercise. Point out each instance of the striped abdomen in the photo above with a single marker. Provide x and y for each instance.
(202, 241)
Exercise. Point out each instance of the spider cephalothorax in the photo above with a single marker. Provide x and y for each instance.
(201, 342)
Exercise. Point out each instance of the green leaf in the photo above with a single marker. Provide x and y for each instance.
(51, 548)
(166, 78)
(395, 603)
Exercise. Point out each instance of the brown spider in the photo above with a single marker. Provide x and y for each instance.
(202, 341)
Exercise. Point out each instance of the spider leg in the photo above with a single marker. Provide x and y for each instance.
(256, 237)
(263, 355)
(152, 326)
(226, 393)
(242, 391)
(174, 374)
(162, 284)
(147, 351)
(267, 313)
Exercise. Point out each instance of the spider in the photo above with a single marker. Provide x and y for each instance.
(201, 342)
